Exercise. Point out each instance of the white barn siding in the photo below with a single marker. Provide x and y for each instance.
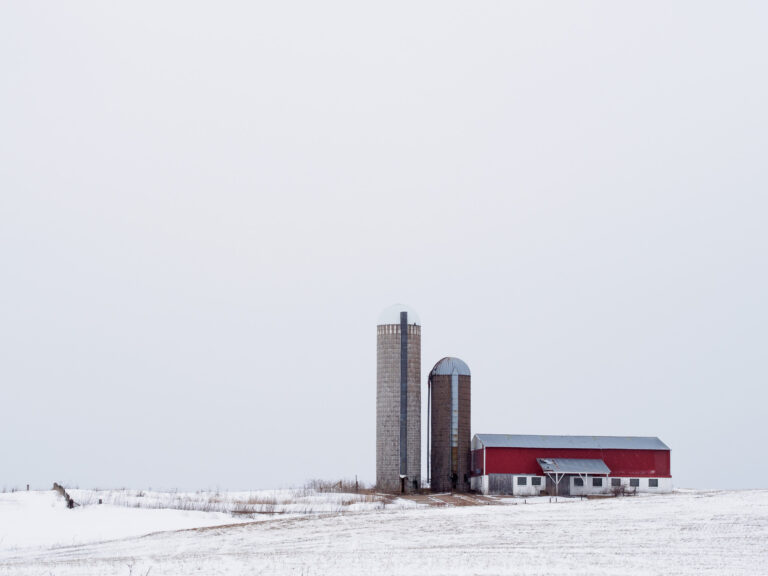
(508, 484)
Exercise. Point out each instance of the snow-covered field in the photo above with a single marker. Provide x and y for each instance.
(688, 532)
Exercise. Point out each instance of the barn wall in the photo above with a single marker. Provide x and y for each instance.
(479, 484)
(501, 483)
(588, 488)
(506, 484)
(642, 463)
(477, 462)
(664, 487)
(529, 489)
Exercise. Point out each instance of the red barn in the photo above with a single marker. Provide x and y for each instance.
(525, 465)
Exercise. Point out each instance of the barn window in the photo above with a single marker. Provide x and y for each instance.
(597, 481)
(522, 481)
(535, 481)
(578, 482)
(653, 483)
(615, 481)
(635, 482)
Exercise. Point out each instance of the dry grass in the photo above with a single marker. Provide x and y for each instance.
(314, 497)
(344, 485)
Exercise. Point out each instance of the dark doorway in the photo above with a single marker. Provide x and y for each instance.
(563, 487)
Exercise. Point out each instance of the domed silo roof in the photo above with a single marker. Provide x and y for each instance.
(448, 365)
(391, 315)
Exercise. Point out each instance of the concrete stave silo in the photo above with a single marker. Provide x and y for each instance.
(450, 392)
(398, 400)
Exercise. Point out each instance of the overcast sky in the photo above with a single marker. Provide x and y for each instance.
(205, 206)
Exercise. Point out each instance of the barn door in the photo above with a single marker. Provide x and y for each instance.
(563, 488)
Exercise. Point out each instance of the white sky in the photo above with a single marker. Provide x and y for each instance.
(205, 206)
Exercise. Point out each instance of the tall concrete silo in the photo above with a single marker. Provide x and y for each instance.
(398, 400)
(450, 451)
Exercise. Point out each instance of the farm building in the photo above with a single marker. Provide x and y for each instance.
(525, 465)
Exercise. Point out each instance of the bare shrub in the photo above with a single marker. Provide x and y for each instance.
(624, 490)
(260, 504)
(344, 485)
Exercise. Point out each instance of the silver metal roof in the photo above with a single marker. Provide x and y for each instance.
(582, 442)
(573, 466)
(447, 365)
(391, 315)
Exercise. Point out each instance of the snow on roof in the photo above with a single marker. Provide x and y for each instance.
(391, 315)
(573, 465)
(577, 442)
(447, 365)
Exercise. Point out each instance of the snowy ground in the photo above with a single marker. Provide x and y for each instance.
(687, 532)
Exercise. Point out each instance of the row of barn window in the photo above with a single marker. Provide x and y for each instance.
(596, 482)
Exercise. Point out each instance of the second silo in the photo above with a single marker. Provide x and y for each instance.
(450, 425)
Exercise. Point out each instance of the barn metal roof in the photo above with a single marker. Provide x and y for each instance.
(577, 442)
(447, 365)
(573, 466)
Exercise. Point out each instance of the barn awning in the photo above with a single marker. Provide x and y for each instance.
(573, 466)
